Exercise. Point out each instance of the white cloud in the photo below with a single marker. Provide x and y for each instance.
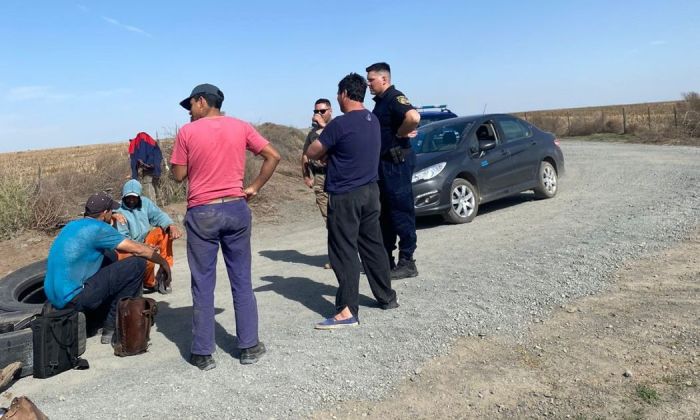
(82, 7)
(657, 43)
(48, 94)
(126, 27)
(34, 93)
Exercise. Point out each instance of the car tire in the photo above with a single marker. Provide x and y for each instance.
(23, 290)
(21, 298)
(464, 202)
(547, 181)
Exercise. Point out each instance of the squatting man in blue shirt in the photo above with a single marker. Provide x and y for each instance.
(83, 270)
(350, 144)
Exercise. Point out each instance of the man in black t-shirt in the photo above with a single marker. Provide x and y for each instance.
(350, 144)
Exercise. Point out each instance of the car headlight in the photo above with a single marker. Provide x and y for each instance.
(428, 173)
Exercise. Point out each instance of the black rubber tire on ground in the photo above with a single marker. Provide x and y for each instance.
(16, 346)
(464, 202)
(23, 290)
(547, 181)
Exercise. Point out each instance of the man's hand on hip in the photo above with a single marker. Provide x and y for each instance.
(250, 192)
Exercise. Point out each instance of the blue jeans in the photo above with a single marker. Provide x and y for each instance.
(208, 226)
(398, 217)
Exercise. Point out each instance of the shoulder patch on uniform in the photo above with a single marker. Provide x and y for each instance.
(402, 100)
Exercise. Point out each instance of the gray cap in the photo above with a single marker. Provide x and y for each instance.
(203, 89)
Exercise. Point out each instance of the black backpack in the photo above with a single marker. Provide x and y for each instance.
(55, 342)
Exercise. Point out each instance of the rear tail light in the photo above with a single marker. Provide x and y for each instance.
(556, 142)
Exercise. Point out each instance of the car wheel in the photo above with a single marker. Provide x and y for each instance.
(23, 290)
(464, 202)
(546, 181)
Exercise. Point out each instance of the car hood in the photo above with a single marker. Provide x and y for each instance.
(423, 160)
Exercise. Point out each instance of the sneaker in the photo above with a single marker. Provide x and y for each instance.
(107, 335)
(390, 305)
(332, 323)
(252, 354)
(203, 361)
(404, 269)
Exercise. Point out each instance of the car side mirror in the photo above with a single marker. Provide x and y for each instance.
(485, 145)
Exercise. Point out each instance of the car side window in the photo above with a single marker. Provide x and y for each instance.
(439, 137)
(484, 132)
(514, 130)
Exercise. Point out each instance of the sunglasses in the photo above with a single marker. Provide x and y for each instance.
(320, 111)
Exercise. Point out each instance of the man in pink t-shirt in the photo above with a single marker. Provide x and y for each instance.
(210, 152)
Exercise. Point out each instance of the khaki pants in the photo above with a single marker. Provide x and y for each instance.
(321, 196)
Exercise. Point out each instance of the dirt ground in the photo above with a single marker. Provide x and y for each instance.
(632, 352)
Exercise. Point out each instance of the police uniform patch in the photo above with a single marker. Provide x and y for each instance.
(403, 100)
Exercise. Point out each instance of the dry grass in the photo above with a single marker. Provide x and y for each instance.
(45, 188)
(651, 122)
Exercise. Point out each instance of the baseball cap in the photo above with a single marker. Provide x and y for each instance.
(97, 203)
(203, 89)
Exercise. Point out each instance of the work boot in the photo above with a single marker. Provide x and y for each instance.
(404, 269)
(253, 354)
(203, 361)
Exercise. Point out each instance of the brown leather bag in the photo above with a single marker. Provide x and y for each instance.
(22, 408)
(135, 316)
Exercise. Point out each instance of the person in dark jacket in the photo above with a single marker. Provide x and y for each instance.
(146, 158)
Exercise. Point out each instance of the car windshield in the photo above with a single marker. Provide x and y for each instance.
(440, 137)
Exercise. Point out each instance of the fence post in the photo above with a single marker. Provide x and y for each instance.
(602, 121)
(568, 123)
(624, 121)
(649, 117)
(675, 117)
(526, 116)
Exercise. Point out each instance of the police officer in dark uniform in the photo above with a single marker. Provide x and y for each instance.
(398, 120)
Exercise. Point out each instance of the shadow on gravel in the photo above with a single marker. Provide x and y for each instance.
(427, 222)
(294, 256)
(176, 325)
(307, 292)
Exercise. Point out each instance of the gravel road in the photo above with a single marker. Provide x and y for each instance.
(507, 269)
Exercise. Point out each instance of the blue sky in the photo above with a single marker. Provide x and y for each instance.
(86, 72)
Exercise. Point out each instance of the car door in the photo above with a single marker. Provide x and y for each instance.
(492, 163)
(518, 140)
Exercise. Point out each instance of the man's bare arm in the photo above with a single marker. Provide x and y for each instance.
(141, 250)
(271, 159)
(410, 123)
(179, 172)
(316, 150)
